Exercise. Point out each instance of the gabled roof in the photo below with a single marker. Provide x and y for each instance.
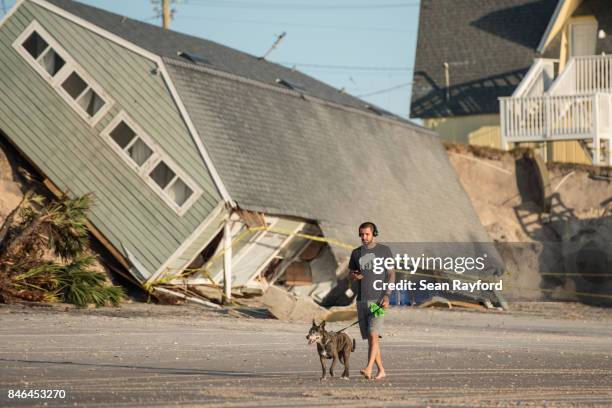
(168, 43)
(488, 46)
(282, 154)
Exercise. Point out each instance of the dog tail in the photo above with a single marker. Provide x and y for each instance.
(354, 346)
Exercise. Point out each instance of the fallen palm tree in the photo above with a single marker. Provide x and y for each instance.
(44, 255)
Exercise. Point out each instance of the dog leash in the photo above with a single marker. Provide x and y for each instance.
(358, 320)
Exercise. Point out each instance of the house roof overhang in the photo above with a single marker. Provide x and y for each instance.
(564, 10)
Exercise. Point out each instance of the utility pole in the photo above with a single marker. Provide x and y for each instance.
(166, 14)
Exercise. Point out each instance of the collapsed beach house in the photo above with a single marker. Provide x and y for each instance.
(209, 165)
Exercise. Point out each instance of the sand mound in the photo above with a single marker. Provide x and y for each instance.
(544, 251)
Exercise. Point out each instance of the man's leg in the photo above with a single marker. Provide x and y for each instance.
(372, 353)
(378, 360)
(376, 327)
(364, 327)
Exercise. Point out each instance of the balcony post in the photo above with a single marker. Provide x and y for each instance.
(595, 130)
(502, 125)
(547, 117)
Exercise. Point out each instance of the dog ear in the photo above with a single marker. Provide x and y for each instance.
(313, 322)
(322, 324)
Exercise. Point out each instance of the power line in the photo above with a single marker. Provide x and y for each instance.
(321, 26)
(386, 90)
(278, 6)
(345, 67)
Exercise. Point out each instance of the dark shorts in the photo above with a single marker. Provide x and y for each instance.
(368, 323)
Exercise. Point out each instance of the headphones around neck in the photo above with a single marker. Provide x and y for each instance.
(371, 225)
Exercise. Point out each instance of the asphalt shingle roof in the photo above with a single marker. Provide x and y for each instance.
(168, 43)
(282, 154)
(488, 45)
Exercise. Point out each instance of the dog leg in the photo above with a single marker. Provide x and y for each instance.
(323, 368)
(333, 364)
(347, 355)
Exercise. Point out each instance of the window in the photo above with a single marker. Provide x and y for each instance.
(83, 94)
(132, 145)
(172, 185)
(147, 159)
(43, 54)
(162, 174)
(74, 85)
(55, 65)
(52, 62)
(179, 191)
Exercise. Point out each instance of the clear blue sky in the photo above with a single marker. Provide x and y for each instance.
(363, 46)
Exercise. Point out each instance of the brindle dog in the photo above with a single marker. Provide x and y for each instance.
(331, 345)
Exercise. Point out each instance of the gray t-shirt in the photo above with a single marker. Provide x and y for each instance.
(362, 259)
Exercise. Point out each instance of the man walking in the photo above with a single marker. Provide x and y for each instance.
(369, 299)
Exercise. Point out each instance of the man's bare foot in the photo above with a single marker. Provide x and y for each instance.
(380, 375)
(366, 373)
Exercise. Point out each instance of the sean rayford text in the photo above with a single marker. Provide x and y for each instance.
(411, 264)
(455, 284)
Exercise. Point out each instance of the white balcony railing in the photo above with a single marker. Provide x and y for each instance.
(556, 117)
(586, 74)
(538, 79)
(577, 106)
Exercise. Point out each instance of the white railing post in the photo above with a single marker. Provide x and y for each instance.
(502, 125)
(608, 112)
(547, 117)
(595, 129)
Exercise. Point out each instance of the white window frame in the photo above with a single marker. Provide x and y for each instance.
(69, 66)
(157, 156)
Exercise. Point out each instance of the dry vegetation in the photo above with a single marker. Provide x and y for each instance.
(45, 256)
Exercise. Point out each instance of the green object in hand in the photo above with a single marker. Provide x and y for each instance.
(376, 310)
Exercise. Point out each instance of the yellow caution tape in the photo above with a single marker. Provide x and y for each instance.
(184, 273)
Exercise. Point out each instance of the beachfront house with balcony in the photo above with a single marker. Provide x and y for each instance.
(565, 100)
(531, 72)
